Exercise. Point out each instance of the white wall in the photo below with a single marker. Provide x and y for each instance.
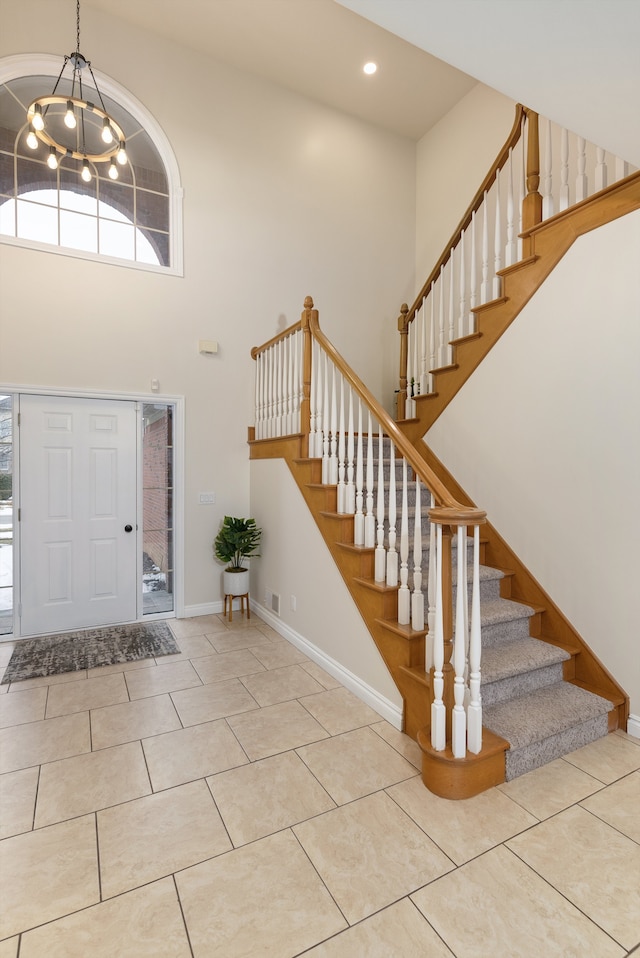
(325, 616)
(452, 161)
(282, 198)
(545, 437)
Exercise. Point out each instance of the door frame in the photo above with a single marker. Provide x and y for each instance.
(15, 390)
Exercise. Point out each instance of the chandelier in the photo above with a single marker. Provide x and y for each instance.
(74, 126)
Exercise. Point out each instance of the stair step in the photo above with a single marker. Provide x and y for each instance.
(514, 668)
(546, 724)
(503, 620)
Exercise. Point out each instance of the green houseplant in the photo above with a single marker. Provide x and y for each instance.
(237, 539)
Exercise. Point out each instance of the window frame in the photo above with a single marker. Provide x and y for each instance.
(18, 65)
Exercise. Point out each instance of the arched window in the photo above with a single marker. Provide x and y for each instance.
(135, 220)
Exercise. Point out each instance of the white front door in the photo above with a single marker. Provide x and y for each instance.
(78, 517)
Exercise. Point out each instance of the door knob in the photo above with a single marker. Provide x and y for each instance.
(128, 528)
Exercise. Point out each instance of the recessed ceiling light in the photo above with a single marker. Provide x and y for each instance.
(370, 68)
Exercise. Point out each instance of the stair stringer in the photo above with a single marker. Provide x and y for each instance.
(548, 624)
(546, 244)
(402, 649)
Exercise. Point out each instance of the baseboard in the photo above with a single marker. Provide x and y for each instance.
(386, 709)
(206, 608)
(633, 726)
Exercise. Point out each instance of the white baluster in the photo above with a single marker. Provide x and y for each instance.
(358, 524)
(279, 390)
(432, 335)
(424, 370)
(452, 323)
(333, 457)
(350, 490)
(474, 711)
(601, 170)
(315, 434)
(380, 554)
(473, 277)
(297, 385)
(547, 178)
(410, 404)
(484, 286)
(438, 712)
(258, 388)
(342, 488)
(459, 718)
(511, 251)
(369, 519)
(270, 392)
(326, 442)
(443, 349)
(392, 554)
(404, 595)
(462, 288)
(622, 169)
(431, 593)
(582, 186)
(497, 243)
(417, 598)
(564, 200)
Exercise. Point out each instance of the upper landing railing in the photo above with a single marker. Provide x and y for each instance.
(541, 170)
(304, 386)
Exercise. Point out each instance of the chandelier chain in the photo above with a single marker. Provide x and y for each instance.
(77, 26)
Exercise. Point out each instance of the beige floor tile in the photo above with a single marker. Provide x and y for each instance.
(47, 873)
(117, 724)
(619, 805)
(370, 854)
(6, 651)
(3, 688)
(46, 741)
(280, 685)
(320, 675)
(399, 931)
(265, 899)
(193, 646)
(209, 702)
(191, 753)
(41, 680)
(146, 923)
(161, 678)
(592, 865)
(17, 801)
(339, 710)
(355, 764)
(550, 789)
(227, 665)
(277, 655)
(155, 836)
(121, 667)
(197, 625)
(401, 742)
(85, 783)
(29, 706)
(265, 628)
(496, 906)
(9, 947)
(267, 796)
(277, 728)
(608, 758)
(94, 693)
(231, 640)
(462, 829)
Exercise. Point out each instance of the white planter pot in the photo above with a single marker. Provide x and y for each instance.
(236, 583)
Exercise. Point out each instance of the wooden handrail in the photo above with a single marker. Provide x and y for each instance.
(255, 352)
(453, 512)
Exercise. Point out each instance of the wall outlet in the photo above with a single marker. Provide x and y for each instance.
(207, 498)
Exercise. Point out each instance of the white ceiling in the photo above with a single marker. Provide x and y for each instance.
(575, 61)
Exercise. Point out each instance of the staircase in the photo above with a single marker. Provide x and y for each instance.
(543, 691)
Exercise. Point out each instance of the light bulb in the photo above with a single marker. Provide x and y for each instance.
(370, 68)
(38, 121)
(113, 169)
(70, 117)
(52, 159)
(122, 154)
(107, 135)
(86, 172)
(32, 139)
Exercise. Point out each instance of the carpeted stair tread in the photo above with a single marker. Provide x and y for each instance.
(532, 718)
(503, 610)
(514, 658)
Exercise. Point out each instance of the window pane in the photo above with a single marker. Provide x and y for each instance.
(78, 231)
(116, 239)
(7, 217)
(35, 175)
(37, 222)
(157, 522)
(6, 174)
(78, 202)
(6, 517)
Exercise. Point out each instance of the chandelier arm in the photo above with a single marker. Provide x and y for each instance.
(97, 87)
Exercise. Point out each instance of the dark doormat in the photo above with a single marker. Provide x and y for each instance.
(75, 651)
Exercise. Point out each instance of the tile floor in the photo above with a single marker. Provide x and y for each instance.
(235, 800)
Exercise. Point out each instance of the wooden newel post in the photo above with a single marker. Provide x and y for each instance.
(307, 347)
(403, 329)
(532, 204)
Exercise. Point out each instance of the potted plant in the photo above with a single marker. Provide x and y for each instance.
(237, 539)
